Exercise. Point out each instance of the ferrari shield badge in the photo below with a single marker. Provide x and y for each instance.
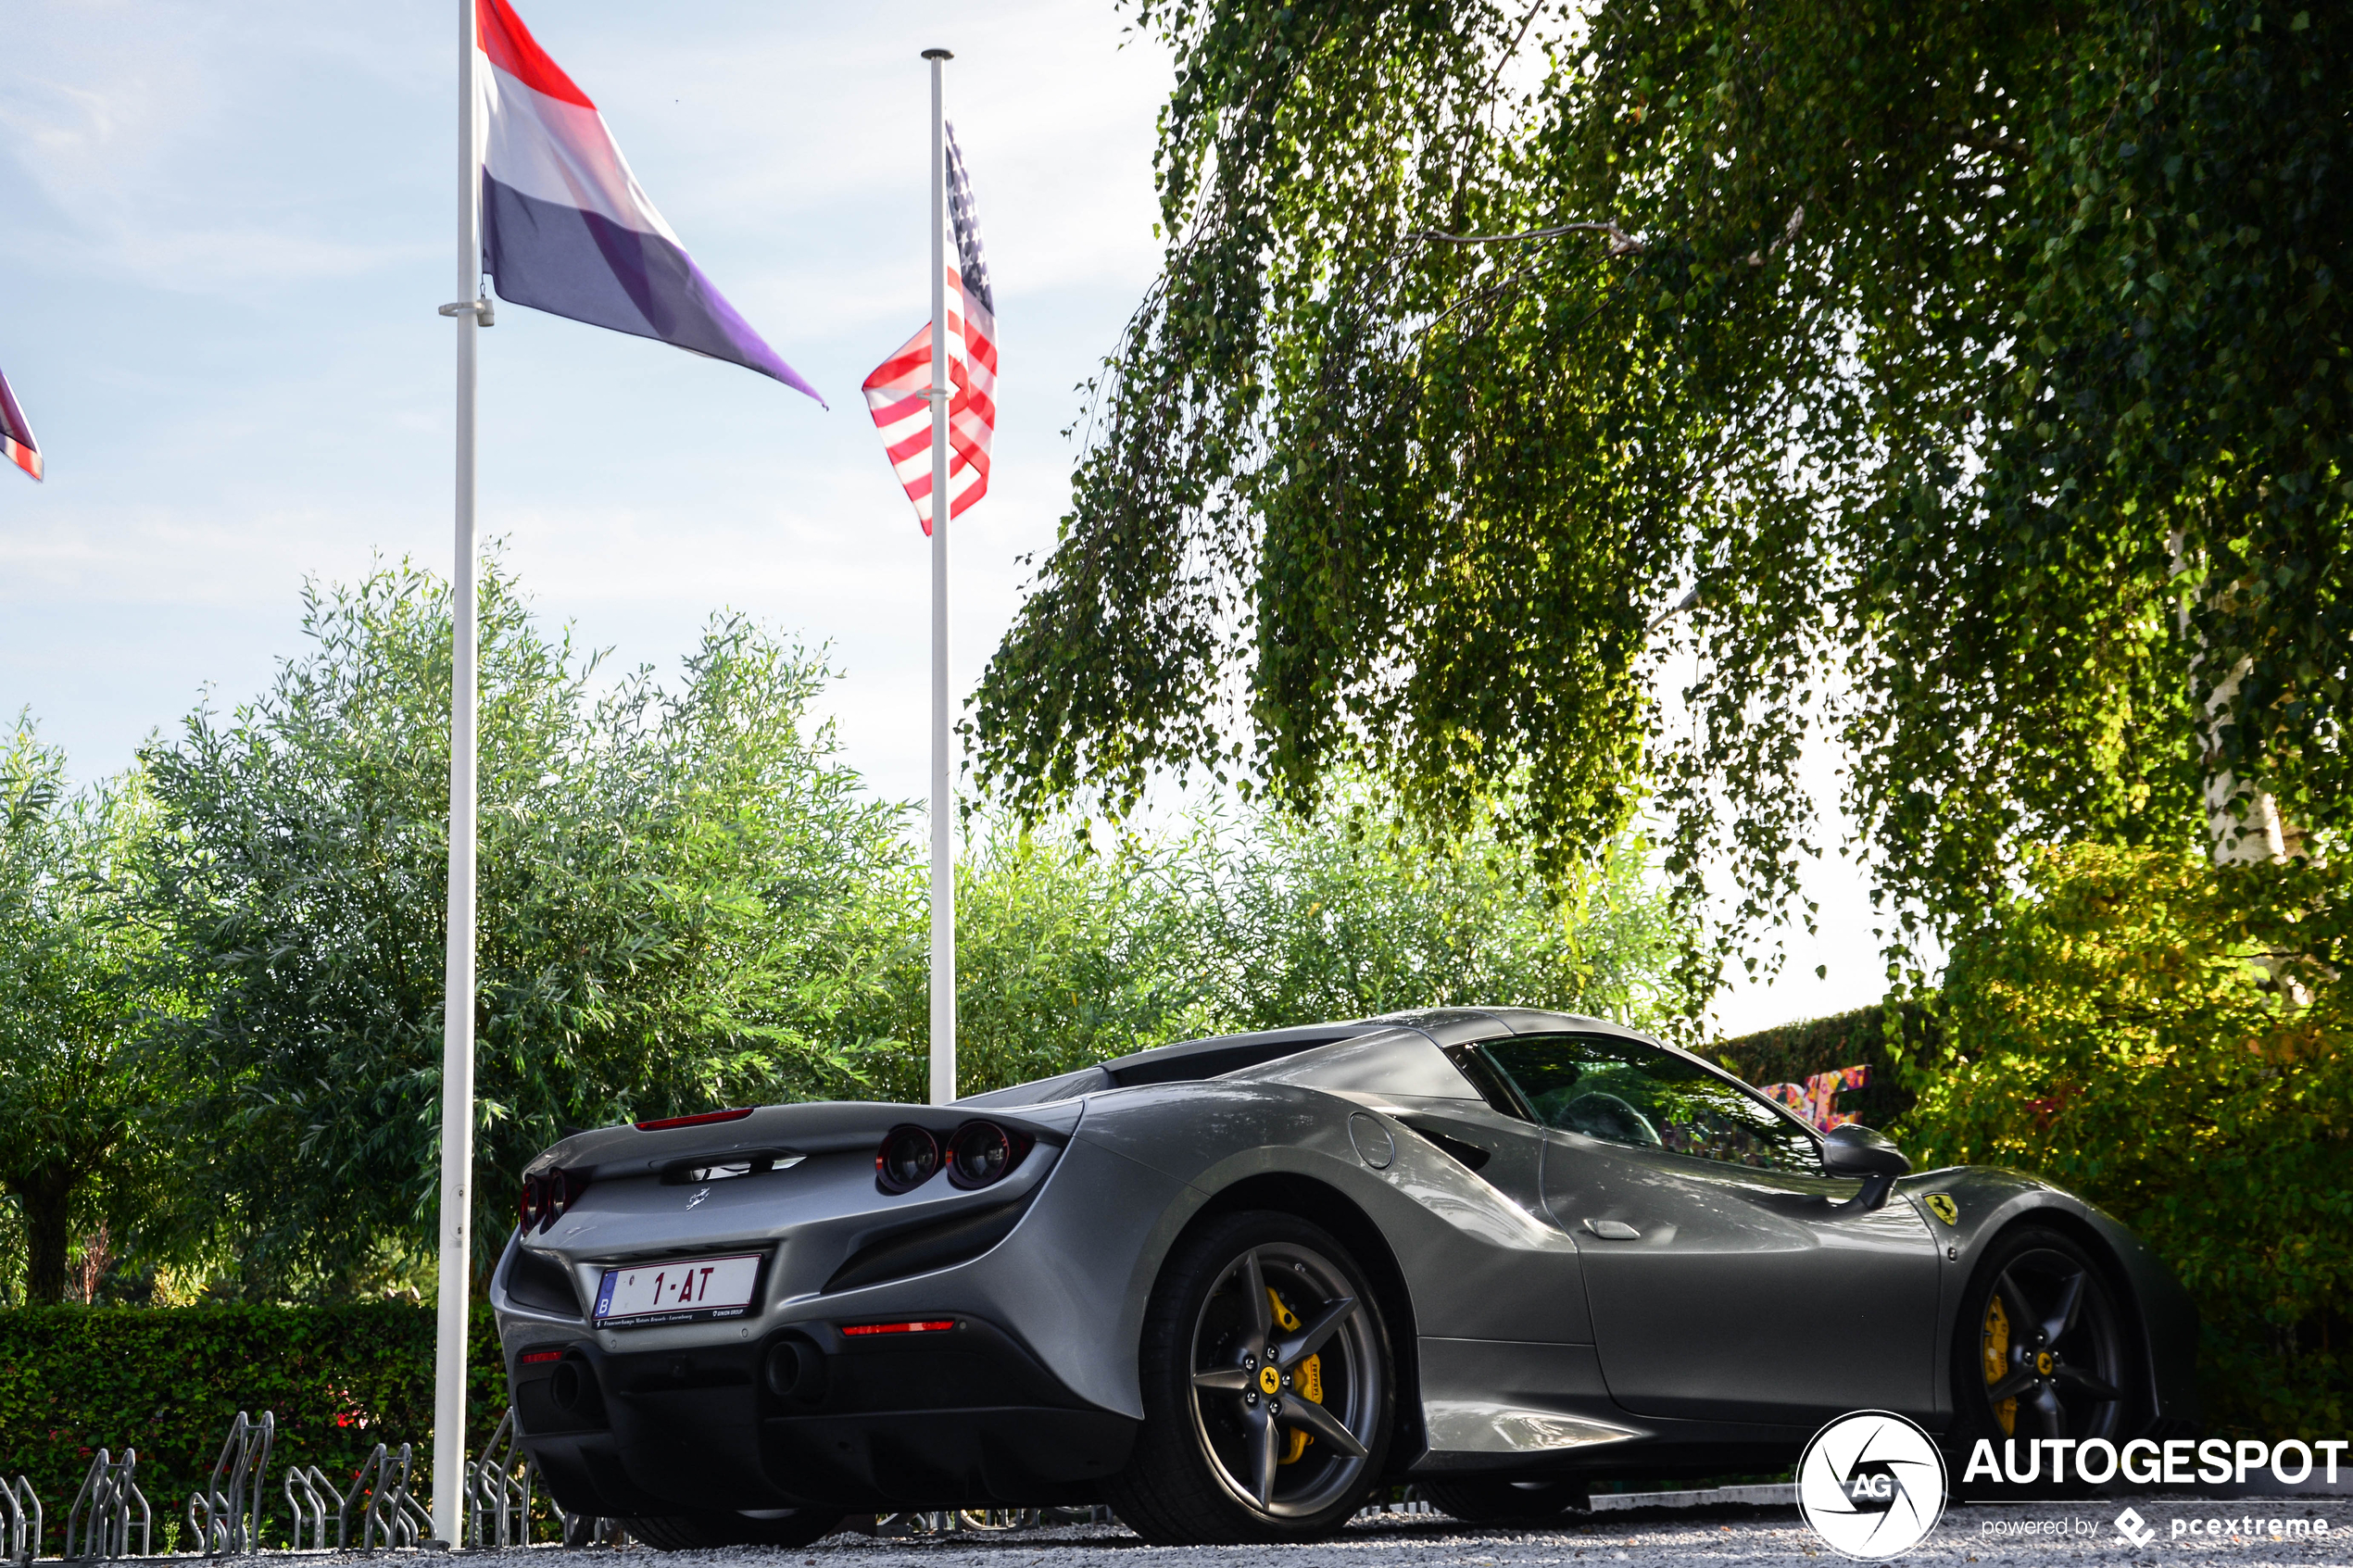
(1944, 1208)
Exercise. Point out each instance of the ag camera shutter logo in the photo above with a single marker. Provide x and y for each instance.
(1871, 1485)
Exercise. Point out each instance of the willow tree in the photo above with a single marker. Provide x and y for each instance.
(78, 1086)
(1602, 398)
(687, 900)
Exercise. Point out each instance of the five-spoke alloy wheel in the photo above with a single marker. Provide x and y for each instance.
(1267, 1388)
(2040, 1347)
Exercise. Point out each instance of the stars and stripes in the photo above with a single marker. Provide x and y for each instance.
(898, 393)
(16, 436)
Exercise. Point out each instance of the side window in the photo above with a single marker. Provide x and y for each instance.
(1625, 1092)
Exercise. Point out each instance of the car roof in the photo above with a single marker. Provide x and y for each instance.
(1212, 1056)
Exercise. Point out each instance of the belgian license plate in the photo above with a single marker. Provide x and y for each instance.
(677, 1290)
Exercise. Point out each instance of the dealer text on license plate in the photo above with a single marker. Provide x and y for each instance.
(677, 1290)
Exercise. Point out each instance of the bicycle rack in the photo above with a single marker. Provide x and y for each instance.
(499, 1488)
(19, 1521)
(98, 1525)
(391, 1517)
(224, 1519)
(307, 1489)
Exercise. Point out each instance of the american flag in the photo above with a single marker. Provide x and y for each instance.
(895, 391)
(16, 436)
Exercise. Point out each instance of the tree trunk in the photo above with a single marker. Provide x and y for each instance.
(47, 1197)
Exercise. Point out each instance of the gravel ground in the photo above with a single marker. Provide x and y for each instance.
(1993, 1536)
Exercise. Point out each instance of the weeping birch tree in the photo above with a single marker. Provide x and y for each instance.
(1602, 400)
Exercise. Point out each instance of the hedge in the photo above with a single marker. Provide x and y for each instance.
(1794, 1052)
(167, 1381)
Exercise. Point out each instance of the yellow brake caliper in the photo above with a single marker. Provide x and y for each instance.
(1997, 1341)
(1311, 1378)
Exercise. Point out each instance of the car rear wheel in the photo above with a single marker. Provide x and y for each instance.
(1267, 1389)
(2041, 1349)
(692, 1532)
(1500, 1500)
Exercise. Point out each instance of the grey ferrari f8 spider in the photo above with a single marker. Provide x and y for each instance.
(1230, 1286)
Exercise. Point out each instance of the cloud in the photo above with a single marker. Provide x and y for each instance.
(238, 221)
(202, 149)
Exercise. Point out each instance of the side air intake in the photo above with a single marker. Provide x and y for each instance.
(940, 1245)
(542, 1286)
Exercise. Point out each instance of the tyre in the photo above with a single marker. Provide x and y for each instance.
(2041, 1349)
(1267, 1386)
(690, 1531)
(1500, 1500)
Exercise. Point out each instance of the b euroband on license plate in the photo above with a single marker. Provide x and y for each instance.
(677, 1290)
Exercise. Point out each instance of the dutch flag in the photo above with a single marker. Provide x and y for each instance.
(565, 228)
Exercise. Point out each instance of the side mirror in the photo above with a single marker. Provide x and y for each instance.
(1856, 1150)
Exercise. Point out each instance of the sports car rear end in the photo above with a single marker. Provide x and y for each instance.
(758, 1311)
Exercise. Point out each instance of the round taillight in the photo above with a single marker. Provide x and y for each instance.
(562, 1193)
(547, 1197)
(907, 1159)
(981, 1152)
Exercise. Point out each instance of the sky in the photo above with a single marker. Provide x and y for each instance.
(224, 233)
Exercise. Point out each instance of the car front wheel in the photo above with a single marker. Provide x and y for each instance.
(2041, 1350)
(1267, 1388)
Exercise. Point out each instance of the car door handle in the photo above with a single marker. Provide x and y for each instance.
(1613, 1230)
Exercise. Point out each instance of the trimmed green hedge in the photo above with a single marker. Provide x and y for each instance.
(167, 1381)
(1794, 1052)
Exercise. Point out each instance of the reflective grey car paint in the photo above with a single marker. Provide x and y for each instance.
(1989, 1199)
(1740, 1314)
(1835, 1312)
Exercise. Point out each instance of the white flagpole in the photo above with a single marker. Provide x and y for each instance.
(458, 994)
(943, 802)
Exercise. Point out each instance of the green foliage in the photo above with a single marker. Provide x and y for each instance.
(76, 1089)
(684, 899)
(1979, 373)
(167, 1382)
(1346, 916)
(1256, 920)
(687, 900)
(2169, 1040)
(1867, 1036)
(1064, 957)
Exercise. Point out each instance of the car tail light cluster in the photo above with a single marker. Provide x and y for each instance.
(548, 1197)
(975, 1155)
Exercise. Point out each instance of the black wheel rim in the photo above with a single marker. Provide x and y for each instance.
(1282, 1321)
(2050, 1351)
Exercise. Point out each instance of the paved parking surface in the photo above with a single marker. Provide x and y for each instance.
(1991, 1536)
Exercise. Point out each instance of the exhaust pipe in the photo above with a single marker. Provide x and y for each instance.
(572, 1387)
(796, 1371)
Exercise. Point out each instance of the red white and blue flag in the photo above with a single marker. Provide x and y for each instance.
(16, 436)
(565, 228)
(898, 390)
